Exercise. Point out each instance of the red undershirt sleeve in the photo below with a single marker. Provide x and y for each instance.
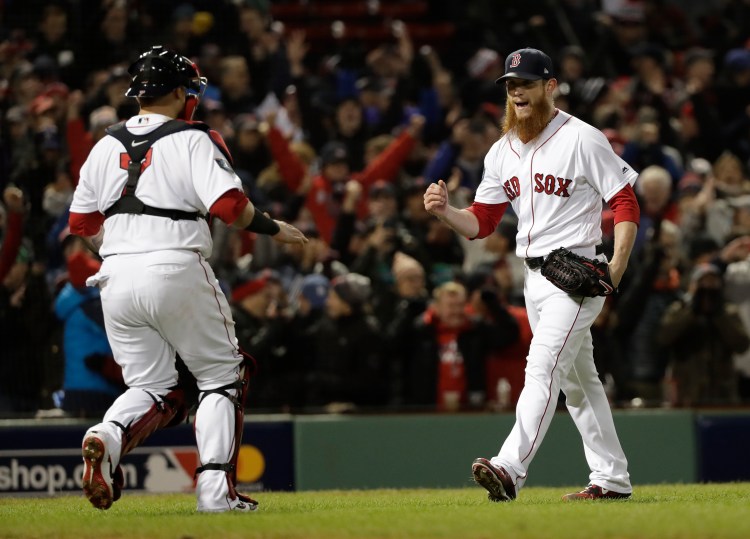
(85, 224)
(488, 215)
(624, 205)
(229, 206)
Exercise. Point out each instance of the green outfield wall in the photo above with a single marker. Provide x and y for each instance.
(412, 451)
(313, 452)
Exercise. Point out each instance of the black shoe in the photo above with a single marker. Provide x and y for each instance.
(594, 492)
(118, 483)
(494, 479)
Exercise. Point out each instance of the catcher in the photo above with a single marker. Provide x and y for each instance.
(153, 179)
(554, 170)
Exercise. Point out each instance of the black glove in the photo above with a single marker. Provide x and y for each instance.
(577, 275)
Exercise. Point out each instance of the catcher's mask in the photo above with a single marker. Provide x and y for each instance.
(160, 70)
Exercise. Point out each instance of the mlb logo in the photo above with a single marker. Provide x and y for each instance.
(171, 470)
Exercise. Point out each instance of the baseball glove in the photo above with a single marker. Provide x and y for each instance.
(577, 275)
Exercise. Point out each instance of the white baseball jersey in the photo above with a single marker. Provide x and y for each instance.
(198, 174)
(161, 297)
(555, 184)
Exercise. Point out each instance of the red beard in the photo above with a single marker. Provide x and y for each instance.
(527, 129)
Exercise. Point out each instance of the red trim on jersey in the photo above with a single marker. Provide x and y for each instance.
(229, 206)
(488, 215)
(85, 224)
(624, 205)
(531, 177)
(513, 149)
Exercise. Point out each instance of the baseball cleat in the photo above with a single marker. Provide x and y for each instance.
(594, 492)
(245, 504)
(494, 479)
(97, 482)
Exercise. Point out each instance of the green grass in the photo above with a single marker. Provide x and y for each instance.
(660, 511)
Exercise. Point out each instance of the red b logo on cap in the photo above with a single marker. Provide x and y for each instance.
(515, 60)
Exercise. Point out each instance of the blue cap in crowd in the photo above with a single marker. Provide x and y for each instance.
(738, 59)
(315, 289)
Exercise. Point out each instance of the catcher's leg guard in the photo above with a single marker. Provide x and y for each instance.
(134, 416)
(218, 431)
(167, 411)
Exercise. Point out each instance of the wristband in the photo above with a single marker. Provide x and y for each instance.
(263, 225)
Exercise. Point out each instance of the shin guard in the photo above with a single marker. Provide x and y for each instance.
(236, 392)
(166, 411)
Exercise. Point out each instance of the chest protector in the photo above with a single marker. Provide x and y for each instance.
(137, 147)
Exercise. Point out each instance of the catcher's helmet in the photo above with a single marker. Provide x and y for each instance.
(161, 70)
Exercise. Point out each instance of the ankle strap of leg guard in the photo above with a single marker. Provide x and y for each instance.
(227, 467)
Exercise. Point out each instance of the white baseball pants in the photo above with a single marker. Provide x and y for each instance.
(561, 357)
(156, 304)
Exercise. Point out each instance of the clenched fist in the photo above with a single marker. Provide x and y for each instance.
(436, 198)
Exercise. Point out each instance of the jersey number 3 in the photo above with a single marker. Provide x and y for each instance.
(125, 161)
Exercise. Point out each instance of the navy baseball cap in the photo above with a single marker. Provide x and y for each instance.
(529, 64)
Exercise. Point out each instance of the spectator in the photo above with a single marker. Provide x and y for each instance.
(648, 148)
(580, 89)
(470, 140)
(92, 378)
(447, 357)
(306, 315)
(235, 86)
(384, 237)
(112, 41)
(654, 190)
(731, 178)
(81, 138)
(248, 147)
(483, 68)
(11, 225)
(54, 40)
(259, 326)
(734, 102)
(699, 114)
(654, 286)
(261, 45)
(487, 299)
(325, 196)
(622, 27)
(27, 373)
(737, 291)
(397, 308)
(506, 266)
(703, 332)
(346, 369)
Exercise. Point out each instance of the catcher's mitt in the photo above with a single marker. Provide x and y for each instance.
(577, 275)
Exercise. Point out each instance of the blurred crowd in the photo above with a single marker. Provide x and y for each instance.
(340, 132)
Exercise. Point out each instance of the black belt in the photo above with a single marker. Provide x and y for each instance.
(536, 262)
